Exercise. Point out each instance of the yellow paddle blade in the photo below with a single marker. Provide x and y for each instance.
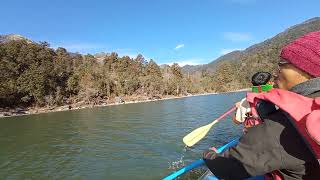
(197, 134)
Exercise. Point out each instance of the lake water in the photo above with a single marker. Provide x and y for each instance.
(131, 141)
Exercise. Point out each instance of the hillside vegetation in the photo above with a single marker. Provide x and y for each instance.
(33, 74)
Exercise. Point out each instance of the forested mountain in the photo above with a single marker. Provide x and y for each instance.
(236, 68)
(33, 74)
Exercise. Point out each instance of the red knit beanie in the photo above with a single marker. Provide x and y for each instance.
(304, 53)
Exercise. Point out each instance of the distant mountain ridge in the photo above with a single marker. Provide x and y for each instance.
(275, 42)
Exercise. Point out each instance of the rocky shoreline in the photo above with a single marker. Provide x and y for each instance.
(7, 112)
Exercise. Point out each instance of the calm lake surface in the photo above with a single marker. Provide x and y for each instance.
(133, 141)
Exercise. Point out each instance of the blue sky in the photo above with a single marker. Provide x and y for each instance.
(184, 31)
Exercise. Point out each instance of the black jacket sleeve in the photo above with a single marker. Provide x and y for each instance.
(251, 157)
(273, 145)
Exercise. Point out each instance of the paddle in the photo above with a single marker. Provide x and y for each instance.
(199, 133)
(200, 162)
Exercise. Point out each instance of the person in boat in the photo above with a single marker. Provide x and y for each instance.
(275, 146)
(260, 83)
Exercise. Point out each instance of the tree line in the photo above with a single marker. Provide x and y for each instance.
(33, 74)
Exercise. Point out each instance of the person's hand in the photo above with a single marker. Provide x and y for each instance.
(234, 119)
(213, 148)
(238, 104)
(243, 108)
(210, 154)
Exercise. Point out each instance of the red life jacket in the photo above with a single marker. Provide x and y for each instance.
(304, 114)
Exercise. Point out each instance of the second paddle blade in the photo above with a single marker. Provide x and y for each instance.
(197, 134)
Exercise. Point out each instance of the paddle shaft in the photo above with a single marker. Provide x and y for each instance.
(199, 162)
(199, 133)
(225, 114)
